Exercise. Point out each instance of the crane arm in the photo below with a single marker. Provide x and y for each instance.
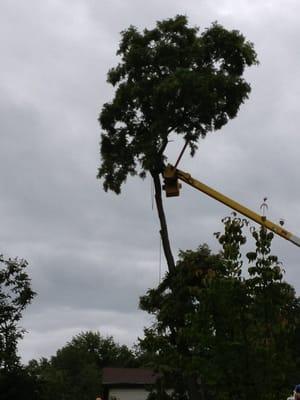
(172, 174)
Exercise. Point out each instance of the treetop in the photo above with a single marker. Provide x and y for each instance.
(170, 79)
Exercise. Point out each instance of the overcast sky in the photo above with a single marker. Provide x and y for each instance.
(92, 254)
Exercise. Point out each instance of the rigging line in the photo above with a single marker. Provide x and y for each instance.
(159, 265)
(152, 194)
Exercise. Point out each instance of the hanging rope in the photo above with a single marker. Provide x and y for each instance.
(152, 194)
(159, 265)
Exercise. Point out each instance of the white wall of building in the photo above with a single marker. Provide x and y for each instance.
(128, 394)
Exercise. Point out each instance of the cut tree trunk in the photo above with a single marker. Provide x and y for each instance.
(163, 223)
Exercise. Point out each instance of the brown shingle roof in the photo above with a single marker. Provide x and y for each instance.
(136, 376)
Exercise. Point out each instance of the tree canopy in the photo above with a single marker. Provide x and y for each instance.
(170, 79)
(233, 335)
(75, 371)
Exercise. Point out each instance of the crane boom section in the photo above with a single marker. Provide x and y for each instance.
(187, 178)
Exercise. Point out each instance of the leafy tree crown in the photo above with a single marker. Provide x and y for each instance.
(170, 79)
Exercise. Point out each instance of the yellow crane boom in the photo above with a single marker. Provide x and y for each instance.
(172, 188)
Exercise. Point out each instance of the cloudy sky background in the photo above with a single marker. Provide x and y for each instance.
(92, 254)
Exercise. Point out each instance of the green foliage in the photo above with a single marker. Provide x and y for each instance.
(18, 384)
(75, 371)
(234, 336)
(15, 295)
(170, 79)
(276, 307)
(231, 240)
(195, 309)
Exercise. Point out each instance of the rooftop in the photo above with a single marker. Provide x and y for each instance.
(136, 376)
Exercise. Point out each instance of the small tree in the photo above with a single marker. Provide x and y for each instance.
(171, 79)
(276, 320)
(15, 295)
